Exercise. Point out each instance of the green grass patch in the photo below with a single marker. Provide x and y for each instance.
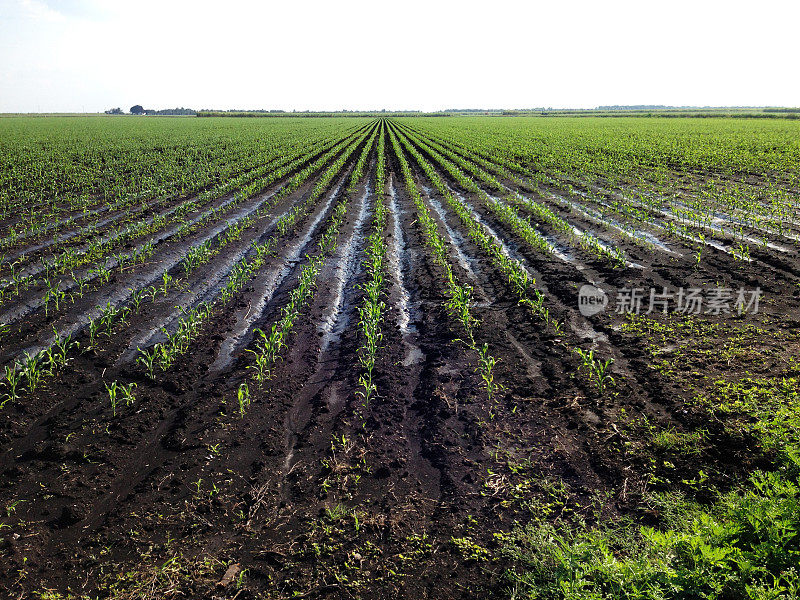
(747, 545)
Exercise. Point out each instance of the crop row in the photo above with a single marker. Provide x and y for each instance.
(373, 306)
(113, 314)
(516, 274)
(459, 297)
(177, 342)
(724, 210)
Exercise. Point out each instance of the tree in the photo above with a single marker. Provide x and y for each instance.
(114, 111)
(137, 109)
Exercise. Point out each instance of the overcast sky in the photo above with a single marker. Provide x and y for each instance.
(89, 55)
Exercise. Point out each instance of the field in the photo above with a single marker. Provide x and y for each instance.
(347, 357)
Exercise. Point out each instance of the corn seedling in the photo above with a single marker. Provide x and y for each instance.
(147, 359)
(599, 371)
(243, 396)
(12, 383)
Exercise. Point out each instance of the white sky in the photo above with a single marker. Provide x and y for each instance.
(90, 55)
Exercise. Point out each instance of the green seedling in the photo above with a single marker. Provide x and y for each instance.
(33, 371)
(243, 396)
(12, 383)
(599, 370)
(147, 359)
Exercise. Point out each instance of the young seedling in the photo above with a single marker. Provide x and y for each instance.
(742, 252)
(166, 279)
(486, 364)
(103, 273)
(127, 393)
(61, 348)
(136, 298)
(112, 395)
(602, 374)
(32, 370)
(261, 366)
(147, 359)
(368, 387)
(82, 282)
(94, 331)
(49, 360)
(243, 395)
(12, 383)
(152, 291)
(459, 307)
(599, 370)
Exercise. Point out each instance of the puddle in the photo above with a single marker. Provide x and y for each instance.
(336, 318)
(63, 236)
(509, 249)
(708, 242)
(242, 333)
(155, 239)
(172, 259)
(408, 312)
(456, 239)
(635, 234)
(584, 329)
(716, 227)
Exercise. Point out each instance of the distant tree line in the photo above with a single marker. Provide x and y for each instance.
(666, 107)
(282, 113)
(138, 109)
(473, 110)
(640, 107)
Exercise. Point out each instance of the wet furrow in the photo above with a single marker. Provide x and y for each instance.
(324, 393)
(267, 284)
(217, 203)
(78, 316)
(115, 297)
(157, 447)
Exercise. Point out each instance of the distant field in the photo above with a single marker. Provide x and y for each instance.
(386, 357)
